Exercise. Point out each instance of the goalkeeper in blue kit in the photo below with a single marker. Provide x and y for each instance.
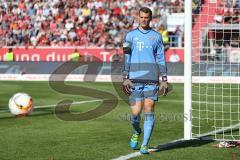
(144, 65)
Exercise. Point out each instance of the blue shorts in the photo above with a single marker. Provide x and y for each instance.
(141, 91)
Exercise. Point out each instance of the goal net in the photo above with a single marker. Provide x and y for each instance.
(215, 106)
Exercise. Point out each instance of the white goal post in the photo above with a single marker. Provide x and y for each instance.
(211, 49)
(187, 70)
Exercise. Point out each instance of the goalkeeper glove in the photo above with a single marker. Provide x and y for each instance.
(127, 85)
(164, 86)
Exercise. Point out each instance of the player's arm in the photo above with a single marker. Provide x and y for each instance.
(127, 45)
(162, 66)
(127, 84)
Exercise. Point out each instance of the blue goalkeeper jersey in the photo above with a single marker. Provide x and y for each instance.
(146, 61)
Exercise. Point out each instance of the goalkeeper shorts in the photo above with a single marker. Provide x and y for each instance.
(141, 91)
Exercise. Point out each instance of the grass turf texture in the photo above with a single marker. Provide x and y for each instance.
(42, 136)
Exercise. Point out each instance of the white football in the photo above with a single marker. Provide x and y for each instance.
(20, 104)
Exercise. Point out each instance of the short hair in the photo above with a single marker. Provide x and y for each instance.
(146, 10)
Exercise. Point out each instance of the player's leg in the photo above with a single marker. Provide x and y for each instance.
(148, 124)
(151, 95)
(135, 119)
(136, 103)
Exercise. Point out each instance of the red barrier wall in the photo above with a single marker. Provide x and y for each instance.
(62, 54)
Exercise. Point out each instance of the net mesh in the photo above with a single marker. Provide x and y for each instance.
(216, 59)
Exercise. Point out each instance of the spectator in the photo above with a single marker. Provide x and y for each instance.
(228, 15)
(29, 21)
(234, 41)
(217, 54)
(75, 56)
(164, 34)
(9, 55)
(69, 25)
(219, 14)
(235, 16)
(178, 34)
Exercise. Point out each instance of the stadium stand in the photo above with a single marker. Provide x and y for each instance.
(76, 22)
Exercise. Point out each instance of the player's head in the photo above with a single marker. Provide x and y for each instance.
(145, 17)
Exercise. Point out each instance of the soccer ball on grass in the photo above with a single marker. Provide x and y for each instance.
(20, 104)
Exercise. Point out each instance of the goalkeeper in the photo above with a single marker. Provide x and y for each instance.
(144, 63)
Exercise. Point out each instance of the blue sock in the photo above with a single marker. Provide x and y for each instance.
(135, 120)
(148, 127)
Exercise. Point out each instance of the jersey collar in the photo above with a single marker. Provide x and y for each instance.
(144, 31)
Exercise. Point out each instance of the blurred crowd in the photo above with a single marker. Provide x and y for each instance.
(97, 23)
(228, 12)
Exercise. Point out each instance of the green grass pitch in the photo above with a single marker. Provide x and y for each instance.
(42, 136)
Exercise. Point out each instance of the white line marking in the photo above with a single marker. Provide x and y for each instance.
(87, 101)
(131, 155)
(53, 105)
(98, 100)
(175, 142)
(169, 100)
(225, 129)
(136, 154)
(74, 103)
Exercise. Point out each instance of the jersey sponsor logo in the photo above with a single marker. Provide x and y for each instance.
(141, 45)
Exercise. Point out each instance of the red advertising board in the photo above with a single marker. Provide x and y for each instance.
(51, 54)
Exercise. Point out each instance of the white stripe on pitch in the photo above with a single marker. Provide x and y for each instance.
(98, 100)
(175, 142)
(136, 154)
(53, 105)
(74, 103)
(131, 155)
(88, 101)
